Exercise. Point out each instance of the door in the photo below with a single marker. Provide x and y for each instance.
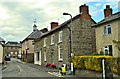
(39, 57)
(52, 56)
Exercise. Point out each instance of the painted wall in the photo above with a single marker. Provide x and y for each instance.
(104, 40)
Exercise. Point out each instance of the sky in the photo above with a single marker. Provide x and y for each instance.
(17, 16)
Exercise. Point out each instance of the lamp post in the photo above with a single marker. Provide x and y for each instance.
(71, 44)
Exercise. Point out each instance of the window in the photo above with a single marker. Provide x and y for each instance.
(11, 53)
(60, 53)
(27, 43)
(16, 53)
(16, 47)
(45, 56)
(52, 39)
(60, 36)
(108, 50)
(11, 47)
(45, 40)
(107, 29)
(7, 48)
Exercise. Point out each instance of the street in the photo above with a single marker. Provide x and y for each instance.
(15, 68)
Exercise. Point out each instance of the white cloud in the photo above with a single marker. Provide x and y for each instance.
(98, 4)
(17, 16)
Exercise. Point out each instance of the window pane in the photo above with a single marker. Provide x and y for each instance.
(105, 30)
(109, 30)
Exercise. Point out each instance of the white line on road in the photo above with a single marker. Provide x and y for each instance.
(19, 68)
(55, 74)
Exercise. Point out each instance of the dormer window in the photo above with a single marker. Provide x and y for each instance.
(107, 29)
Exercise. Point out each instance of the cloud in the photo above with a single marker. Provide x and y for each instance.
(17, 16)
(98, 4)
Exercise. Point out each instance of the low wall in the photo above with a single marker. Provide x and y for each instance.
(95, 74)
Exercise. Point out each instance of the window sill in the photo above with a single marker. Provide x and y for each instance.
(52, 44)
(107, 34)
(44, 46)
(60, 42)
(61, 60)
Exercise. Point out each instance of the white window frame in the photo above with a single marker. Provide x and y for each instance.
(107, 26)
(45, 56)
(106, 49)
(59, 53)
(52, 39)
(15, 53)
(45, 42)
(11, 53)
(60, 36)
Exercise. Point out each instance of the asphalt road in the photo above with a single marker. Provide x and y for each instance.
(16, 69)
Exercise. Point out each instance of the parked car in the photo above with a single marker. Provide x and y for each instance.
(7, 58)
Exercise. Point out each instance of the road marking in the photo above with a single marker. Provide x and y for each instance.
(55, 74)
(19, 68)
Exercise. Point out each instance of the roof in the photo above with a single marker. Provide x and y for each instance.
(33, 35)
(62, 25)
(13, 44)
(108, 19)
(2, 40)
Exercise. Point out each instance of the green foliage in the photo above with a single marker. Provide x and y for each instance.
(95, 53)
(95, 63)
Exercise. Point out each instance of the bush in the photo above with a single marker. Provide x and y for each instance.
(95, 53)
(95, 63)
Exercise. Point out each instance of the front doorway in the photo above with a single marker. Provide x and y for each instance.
(39, 57)
(52, 56)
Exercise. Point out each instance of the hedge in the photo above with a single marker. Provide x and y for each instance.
(95, 63)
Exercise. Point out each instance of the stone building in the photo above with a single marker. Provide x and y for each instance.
(12, 48)
(108, 33)
(28, 47)
(2, 44)
(53, 47)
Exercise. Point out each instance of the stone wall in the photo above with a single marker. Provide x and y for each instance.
(95, 74)
(83, 40)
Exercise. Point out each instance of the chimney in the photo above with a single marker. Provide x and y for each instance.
(44, 30)
(107, 11)
(84, 11)
(34, 27)
(53, 24)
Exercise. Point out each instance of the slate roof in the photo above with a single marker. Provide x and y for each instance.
(62, 25)
(108, 19)
(12, 44)
(33, 35)
(2, 40)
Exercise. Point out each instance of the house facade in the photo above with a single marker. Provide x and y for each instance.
(108, 33)
(2, 43)
(27, 49)
(12, 48)
(54, 46)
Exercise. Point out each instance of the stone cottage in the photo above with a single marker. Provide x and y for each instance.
(54, 46)
(108, 33)
(12, 48)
